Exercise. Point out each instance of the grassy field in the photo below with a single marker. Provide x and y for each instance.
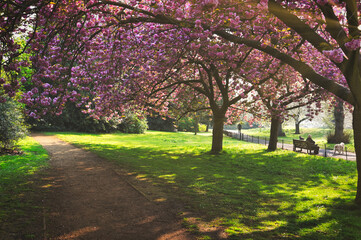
(247, 191)
(17, 191)
(318, 134)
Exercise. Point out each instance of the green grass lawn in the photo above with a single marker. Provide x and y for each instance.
(319, 135)
(16, 189)
(251, 193)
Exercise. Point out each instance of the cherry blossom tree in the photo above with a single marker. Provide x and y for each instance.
(96, 66)
(287, 91)
(328, 29)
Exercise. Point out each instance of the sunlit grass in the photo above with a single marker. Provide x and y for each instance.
(252, 193)
(16, 182)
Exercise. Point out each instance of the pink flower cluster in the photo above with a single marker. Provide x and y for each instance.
(353, 44)
(335, 55)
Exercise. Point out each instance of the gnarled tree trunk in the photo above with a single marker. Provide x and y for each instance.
(297, 131)
(339, 121)
(356, 122)
(275, 123)
(217, 136)
(195, 122)
(297, 125)
(280, 131)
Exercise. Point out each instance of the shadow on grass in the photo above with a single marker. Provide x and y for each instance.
(253, 193)
(19, 195)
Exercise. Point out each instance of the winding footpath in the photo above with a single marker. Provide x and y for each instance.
(87, 199)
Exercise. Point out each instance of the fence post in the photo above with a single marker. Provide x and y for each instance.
(258, 139)
(282, 143)
(252, 138)
(265, 141)
(346, 152)
(325, 151)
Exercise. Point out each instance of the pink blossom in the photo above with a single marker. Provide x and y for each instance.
(353, 44)
(46, 85)
(335, 55)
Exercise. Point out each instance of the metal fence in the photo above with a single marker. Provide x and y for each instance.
(253, 139)
(326, 150)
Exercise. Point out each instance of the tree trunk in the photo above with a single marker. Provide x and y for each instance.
(339, 115)
(275, 123)
(195, 125)
(297, 128)
(357, 142)
(280, 131)
(217, 136)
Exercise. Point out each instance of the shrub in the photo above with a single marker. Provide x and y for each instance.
(133, 124)
(331, 138)
(12, 127)
(72, 119)
(186, 124)
(202, 127)
(161, 124)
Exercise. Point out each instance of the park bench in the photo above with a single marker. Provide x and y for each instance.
(305, 145)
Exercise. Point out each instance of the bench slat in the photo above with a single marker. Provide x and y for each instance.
(305, 145)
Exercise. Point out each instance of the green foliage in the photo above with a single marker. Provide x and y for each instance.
(133, 124)
(12, 127)
(72, 119)
(202, 127)
(345, 138)
(249, 192)
(16, 191)
(156, 122)
(187, 124)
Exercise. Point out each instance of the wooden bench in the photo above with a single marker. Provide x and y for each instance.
(305, 145)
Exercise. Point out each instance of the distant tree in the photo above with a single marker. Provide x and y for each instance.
(339, 115)
(338, 122)
(299, 116)
(281, 133)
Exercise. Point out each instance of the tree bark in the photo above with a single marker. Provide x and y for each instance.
(298, 124)
(217, 136)
(339, 121)
(195, 125)
(297, 128)
(357, 142)
(280, 131)
(275, 123)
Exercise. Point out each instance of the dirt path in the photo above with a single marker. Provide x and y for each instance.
(87, 199)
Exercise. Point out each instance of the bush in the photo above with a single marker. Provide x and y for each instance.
(133, 124)
(160, 124)
(72, 119)
(186, 124)
(331, 138)
(12, 127)
(202, 127)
